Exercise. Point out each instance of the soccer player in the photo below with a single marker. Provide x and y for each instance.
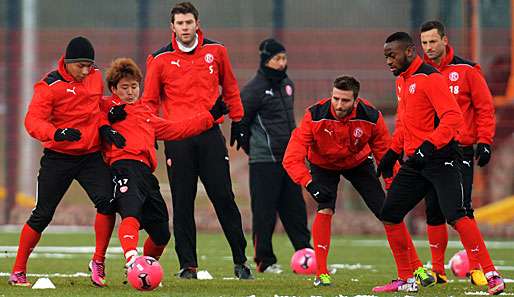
(340, 136)
(428, 118)
(469, 87)
(269, 112)
(136, 191)
(182, 77)
(64, 115)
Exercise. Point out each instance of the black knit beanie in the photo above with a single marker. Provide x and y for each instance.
(269, 48)
(79, 49)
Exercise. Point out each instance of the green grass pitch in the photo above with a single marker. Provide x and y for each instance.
(376, 267)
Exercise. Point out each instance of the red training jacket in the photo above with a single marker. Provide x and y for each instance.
(335, 144)
(470, 89)
(142, 127)
(61, 102)
(426, 109)
(185, 82)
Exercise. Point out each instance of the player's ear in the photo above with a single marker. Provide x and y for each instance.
(172, 28)
(445, 40)
(197, 25)
(410, 51)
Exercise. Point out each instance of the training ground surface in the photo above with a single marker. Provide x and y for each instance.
(363, 263)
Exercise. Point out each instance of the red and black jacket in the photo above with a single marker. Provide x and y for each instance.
(470, 89)
(142, 127)
(61, 102)
(183, 82)
(335, 144)
(426, 109)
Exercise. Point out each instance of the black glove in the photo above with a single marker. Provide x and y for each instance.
(246, 147)
(218, 109)
(112, 136)
(117, 113)
(483, 154)
(68, 134)
(386, 165)
(421, 155)
(239, 133)
(319, 192)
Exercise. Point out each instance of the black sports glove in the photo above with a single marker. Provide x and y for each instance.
(239, 133)
(112, 136)
(319, 192)
(483, 154)
(421, 155)
(386, 165)
(117, 113)
(246, 146)
(218, 109)
(68, 134)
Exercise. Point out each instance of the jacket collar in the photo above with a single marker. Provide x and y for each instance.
(274, 76)
(444, 62)
(174, 42)
(63, 72)
(413, 67)
(117, 100)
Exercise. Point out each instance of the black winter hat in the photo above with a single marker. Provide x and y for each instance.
(79, 49)
(269, 48)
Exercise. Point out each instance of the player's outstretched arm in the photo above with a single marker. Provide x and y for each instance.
(185, 128)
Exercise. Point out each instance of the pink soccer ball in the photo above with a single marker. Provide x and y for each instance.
(304, 261)
(459, 264)
(145, 274)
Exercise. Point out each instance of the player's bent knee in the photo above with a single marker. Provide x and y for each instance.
(452, 221)
(106, 208)
(390, 218)
(159, 232)
(164, 238)
(39, 224)
(436, 221)
(128, 214)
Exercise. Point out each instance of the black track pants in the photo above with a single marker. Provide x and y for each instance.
(204, 156)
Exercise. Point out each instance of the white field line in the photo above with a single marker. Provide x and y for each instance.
(500, 267)
(352, 266)
(509, 245)
(76, 274)
(478, 293)
(62, 249)
(40, 255)
(59, 229)
(358, 243)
